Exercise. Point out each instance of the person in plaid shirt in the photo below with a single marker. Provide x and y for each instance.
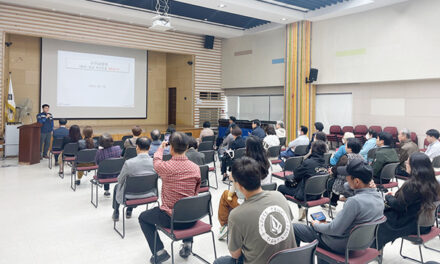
(106, 150)
(180, 178)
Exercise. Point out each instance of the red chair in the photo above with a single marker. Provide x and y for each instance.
(422, 239)
(358, 249)
(378, 129)
(57, 145)
(187, 210)
(360, 131)
(333, 134)
(289, 167)
(425, 145)
(106, 167)
(85, 156)
(315, 185)
(414, 138)
(345, 130)
(393, 131)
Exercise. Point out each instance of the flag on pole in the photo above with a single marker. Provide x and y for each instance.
(10, 104)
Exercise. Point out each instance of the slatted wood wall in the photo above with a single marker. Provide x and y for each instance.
(42, 23)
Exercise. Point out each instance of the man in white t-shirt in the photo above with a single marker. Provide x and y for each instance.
(433, 149)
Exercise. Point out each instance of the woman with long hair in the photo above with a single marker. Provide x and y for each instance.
(416, 199)
(86, 143)
(73, 137)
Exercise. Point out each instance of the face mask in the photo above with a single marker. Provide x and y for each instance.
(367, 136)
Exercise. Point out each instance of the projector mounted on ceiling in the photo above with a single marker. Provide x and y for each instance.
(161, 23)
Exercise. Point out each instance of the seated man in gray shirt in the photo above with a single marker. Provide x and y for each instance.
(142, 164)
(365, 206)
(261, 225)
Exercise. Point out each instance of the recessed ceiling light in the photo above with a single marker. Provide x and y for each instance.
(283, 19)
(222, 5)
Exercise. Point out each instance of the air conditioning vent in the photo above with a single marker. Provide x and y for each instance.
(209, 114)
(210, 96)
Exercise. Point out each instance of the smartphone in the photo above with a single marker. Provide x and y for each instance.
(167, 137)
(319, 216)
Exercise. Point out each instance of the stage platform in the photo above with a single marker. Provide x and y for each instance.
(118, 132)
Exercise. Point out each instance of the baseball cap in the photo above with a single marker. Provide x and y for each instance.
(357, 168)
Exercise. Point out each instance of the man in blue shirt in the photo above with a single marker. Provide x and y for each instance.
(46, 120)
(257, 130)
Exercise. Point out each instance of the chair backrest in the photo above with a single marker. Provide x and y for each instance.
(70, 149)
(389, 171)
(392, 130)
(292, 163)
(57, 143)
(141, 184)
(316, 185)
(190, 134)
(191, 209)
(414, 138)
(282, 141)
(436, 162)
(301, 150)
(208, 138)
(378, 129)
(86, 156)
(363, 235)
(360, 130)
(304, 255)
(238, 153)
(204, 174)
(166, 157)
(206, 145)
(209, 156)
(112, 166)
(269, 186)
(425, 143)
(335, 129)
(327, 157)
(274, 151)
(371, 153)
(119, 143)
(130, 153)
(346, 129)
(126, 137)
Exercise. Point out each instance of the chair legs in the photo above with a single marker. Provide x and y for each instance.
(94, 184)
(73, 179)
(50, 160)
(406, 257)
(123, 224)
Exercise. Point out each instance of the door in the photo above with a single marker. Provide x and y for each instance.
(172, 106)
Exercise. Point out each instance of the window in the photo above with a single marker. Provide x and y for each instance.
(210, 96)
(209, 114)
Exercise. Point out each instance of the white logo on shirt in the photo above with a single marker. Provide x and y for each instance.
(275, 234)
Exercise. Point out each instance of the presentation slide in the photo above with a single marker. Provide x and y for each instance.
(91, 81)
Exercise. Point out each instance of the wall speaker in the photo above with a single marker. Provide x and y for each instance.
(209, 42)
(313, 75)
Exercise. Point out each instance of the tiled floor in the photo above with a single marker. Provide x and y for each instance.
(44, 221)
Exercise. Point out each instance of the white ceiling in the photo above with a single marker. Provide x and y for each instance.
(279, 16)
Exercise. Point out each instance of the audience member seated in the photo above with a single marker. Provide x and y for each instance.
(73, 137)
(365, 206)
(257, 130)
(140, 165)
(302, 139)
(233, 198)
(86, 143)
(319, 127)
(417, 197)
(220, 140)
(310, 167)
(433, 149)
(271, 139)
(180, 179)
(407, 147)
(226, 142)
(131, 142)
(60, 132)
(238, 142)
(281, 132)
(319, 136)
(341, 150)
(353, 147)
(156, 142)
(369, 144)
(384, 155)
(252, 238)
(106, 150)
(206, 131)
(192, 153)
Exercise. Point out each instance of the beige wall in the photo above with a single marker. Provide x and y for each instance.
(180, 75)
(404, 104)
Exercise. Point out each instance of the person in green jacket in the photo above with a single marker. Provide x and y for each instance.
(385, 154)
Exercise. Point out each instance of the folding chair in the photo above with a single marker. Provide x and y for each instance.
(238, 153)
(303, 255)
(139, 190)
(344, 130)
(208, 138)
(83, 157)
(119, 143)
(210, 158)
(327, 157)
(388, 173)
(204, 174)
(334, 131)
(301, 150)
(422, 239)
(166, 157)
(315, 185)
(282, 141)
(189, 134)
(69, 154)
(130, 153)
(436, 164)
(126, 137)
(188, 210)
(289, 167)
(358, 246)
(273, 153)
(206, 145)
(111, 166)
(269, 186)
(57, 145)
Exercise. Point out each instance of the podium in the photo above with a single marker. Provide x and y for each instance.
(29, 144)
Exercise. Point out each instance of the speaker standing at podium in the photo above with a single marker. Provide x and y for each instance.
(46, 120)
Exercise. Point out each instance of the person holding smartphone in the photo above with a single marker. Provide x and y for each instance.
(46, 120)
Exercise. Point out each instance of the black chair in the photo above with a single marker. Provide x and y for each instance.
(119, 143)
(85, 156)
(204, 174)
(57, 145)
(188, 210)
(210, 158)
(301, 150)
(130, 153)
(304, 254)
(273, 153)
(106, 167)
(269, 186)
(327, 157)
(206, 145)
(69, 155)
(289, 167)
(166, 157)
(208, 138)
(282, 141)
(190, 134)
(388, 173)
(138, 186)
(358, 246)
(371, 154)
(315, 185)
(126, 137)
(238, 153)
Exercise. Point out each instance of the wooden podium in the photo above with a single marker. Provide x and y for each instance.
(29, 144)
